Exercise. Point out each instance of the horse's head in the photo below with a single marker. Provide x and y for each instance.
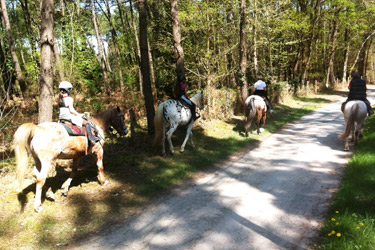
(198, 100)
(118, 122)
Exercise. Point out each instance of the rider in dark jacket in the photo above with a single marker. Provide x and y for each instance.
(357, 91)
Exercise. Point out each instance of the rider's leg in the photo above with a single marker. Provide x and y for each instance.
(193, 112)
(90, 137)
(268, 104)
(369, 108)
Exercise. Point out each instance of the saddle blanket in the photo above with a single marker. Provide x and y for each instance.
(73, 129)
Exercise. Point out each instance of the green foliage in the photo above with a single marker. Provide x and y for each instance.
(352, 214)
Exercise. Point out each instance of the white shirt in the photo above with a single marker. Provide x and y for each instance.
(260, 85)
(65, 112)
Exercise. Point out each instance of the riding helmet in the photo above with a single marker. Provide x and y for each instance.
(65, 85)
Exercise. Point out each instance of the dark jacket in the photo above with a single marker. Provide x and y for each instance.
(357, 89)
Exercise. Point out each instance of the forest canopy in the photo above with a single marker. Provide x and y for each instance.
(97, 47)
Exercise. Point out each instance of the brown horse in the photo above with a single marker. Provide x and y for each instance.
(255, 107)
(50, 141)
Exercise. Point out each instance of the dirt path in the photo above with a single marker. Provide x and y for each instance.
(273, 197)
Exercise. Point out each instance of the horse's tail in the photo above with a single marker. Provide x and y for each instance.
(350, 122)
(158, 123)
(253, 109)
(21, 145)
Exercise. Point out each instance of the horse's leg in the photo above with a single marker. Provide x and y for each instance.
(259, 116)
(188, 133)
(191, 139)
(264, 117)
(98, 151)
(346, 144)
(40, 174)
(169, 136)
(163, 137)
(66, 185)
(248, 125)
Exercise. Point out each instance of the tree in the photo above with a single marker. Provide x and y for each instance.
(145, 66)
(243, 54)
(17, 67)
(46, 58)
(178, 50)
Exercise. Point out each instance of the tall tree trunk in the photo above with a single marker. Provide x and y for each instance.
(346, 56)
(314, 20)
(19, 75)
(361, 48)
(138, 53)
(8, 78)
(178, 50)
(145, 65)
(100, 47)
(255, 39)
(46, 57)
(330, 77)
(114, 41)
(243, 59)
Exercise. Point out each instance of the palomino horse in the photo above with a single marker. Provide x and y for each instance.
(50, 141)
(355, 113)
(174, 113)
(255, 106)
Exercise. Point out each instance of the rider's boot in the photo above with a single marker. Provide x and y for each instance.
(193, 112)
(93, 139)
(268, 104)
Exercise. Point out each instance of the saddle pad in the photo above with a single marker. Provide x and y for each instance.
(73, 129)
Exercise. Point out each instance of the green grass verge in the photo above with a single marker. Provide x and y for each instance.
(137, 174)
(350, 223)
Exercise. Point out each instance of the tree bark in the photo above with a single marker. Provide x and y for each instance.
(17, 67)
(145, 65)
(330, 77)
(46, 65)
(346, 56)
(176, 31)
(243, 52)
(255, 39)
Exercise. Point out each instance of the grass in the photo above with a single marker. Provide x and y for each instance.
(351, 220)
(137, 175)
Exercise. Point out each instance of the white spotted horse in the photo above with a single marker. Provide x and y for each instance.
(255, 107)
(355, 113)
(50, 141)
(175, 113)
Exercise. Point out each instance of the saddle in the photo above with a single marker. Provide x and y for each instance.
(183, 103)
(74, 130)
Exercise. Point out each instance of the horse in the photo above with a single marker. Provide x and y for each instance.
(173, 112)
(50, 141)
(255, 106)
(355, 113)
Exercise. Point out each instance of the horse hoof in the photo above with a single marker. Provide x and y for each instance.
(181, 151)
(106, 183)
(261, 130)
(38, 209)
(64, 193)
(50, 195)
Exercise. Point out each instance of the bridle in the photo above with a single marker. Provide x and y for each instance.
(118, 124)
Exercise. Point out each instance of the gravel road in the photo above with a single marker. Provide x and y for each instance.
(274, 196)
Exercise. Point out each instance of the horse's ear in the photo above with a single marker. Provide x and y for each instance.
(118, 109)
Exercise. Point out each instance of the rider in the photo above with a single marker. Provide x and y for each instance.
(260, 88)
(180, 91)
(357, 91)
(68, 113)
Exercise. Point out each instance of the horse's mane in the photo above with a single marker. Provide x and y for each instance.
(103, 118)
